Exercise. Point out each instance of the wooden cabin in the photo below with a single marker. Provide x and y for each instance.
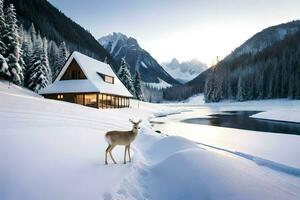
(86, 81)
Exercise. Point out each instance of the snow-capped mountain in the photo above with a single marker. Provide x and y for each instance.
(119, 46)
(185, 71)
(266, 38)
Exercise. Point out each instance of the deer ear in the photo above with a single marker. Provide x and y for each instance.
(130, 120)
(139, 121)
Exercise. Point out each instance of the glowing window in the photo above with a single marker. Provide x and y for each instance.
(106, 78)
(60, 96)
(109, 79)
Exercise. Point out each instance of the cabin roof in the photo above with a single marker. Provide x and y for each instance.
(94, 82)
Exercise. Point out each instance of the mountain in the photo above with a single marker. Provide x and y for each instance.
(266, 38)
(270, 70)
(185, 71)
(152, 73)
(266, 66)
(53, 24)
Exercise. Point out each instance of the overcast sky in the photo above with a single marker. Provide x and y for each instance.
(185, 29)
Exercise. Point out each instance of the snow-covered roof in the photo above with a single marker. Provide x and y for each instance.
(93, 83)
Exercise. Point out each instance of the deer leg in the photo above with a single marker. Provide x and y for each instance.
(125, 154)
(106, 151)
(128, 149)
(111, 148)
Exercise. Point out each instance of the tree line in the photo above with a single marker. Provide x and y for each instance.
(271, 73)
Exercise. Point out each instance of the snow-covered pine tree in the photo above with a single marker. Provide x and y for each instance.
(21, 60)
(2, 29)
(137, 86)
(38, 70)
(61, 59)
(11, 39)
(4, 72)
(32, 33)
(125, 76)
(53, 53)
(45, 61)
(27, 48)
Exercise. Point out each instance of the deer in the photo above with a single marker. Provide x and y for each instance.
(124, 138)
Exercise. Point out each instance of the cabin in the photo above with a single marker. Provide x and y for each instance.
(89, 82)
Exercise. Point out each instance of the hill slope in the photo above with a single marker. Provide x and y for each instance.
(266, 38)
(57, 27)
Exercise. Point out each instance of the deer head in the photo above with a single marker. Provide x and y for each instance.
(135, 125)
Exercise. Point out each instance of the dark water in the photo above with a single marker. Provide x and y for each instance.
(241, 120)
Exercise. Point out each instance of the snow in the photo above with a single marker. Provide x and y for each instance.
(93, 83)
(267, 149)
(160, 85)
(55, 150)
(10, 88)
(195, 100)
(289, 115)
(144, 65)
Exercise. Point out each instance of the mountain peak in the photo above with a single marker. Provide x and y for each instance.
(184, 71)
(174, 61)
(122, 46)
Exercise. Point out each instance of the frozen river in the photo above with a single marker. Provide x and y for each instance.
(230, 129)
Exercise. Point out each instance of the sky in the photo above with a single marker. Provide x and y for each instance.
(182, 29)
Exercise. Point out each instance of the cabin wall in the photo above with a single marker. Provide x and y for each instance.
(94, 100)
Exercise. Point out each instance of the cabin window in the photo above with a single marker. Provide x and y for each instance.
(100, 100)
(90, 100)
(107, 78)
(108, 101)
(104, 100)
(78, 98)
(113, 101)
(60, 96)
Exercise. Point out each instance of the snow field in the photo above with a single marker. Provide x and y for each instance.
(55, 150)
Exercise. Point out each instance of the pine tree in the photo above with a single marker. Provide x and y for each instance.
(125, 76)
(4, 71)
(53, 53)
(39, 68)
(3, 47)
(21, 60)
(242, 90)
(32, 32)
(11, 39)
(137, 86)
(61, 59)
(45, 61)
